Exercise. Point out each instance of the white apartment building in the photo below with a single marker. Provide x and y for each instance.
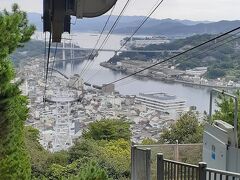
(197, 72)
(164, 103)
(149, 41)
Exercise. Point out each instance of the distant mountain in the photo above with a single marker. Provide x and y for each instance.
(176, 28)
(128, 24)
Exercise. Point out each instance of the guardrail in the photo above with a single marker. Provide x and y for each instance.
(173, 170)
(213, 174)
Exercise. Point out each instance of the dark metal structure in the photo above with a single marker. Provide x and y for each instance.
(57, 13)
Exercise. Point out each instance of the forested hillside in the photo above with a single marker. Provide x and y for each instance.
(221, 57)
(126, 25)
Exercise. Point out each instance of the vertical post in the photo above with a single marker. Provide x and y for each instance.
(236, 129)
(64, 54)
(202, 171)
(176, 151)
(160, 166)
(72, 65)
(210, 105)
(148, 163)
(133, 164)
(236, 121)
(177, 158)
(71, 51)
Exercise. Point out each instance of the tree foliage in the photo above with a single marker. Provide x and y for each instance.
(214, 73)
(108, 143)
(91, 171)
(223, 61)
(225, 110)
(108, 129)
(148, 141)
(87, 158)
(83, 148)
(42, 161)
(14, 160)
(115, 158)
(186, 130)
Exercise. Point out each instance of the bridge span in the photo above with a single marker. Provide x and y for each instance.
(114, 50)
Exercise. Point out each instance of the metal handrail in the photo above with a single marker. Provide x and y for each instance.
(221, 172)
(159, 145)
(180, 163)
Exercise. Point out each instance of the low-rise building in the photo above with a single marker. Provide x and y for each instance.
(164, 103)
(143, 42)
(198, 71)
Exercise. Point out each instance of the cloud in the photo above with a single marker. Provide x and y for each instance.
(175, 9)
(26, 5)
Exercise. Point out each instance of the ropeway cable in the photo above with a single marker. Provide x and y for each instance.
(109, 33)
(98, 40)
(206, 51)
(47, 67)
(155, 7)
(54, 58)
(175, 56)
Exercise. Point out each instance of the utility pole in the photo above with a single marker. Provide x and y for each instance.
(176, 151)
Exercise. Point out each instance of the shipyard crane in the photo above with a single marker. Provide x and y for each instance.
(57, 13)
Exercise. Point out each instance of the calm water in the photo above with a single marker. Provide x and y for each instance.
(98, 75)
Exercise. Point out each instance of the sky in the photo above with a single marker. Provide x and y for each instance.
(200, 10)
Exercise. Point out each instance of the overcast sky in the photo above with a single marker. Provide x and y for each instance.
(213, 10)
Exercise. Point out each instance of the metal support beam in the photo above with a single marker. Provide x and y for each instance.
(57, 13)
(55, 18)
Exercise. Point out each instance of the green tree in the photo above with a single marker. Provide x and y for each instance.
(14, 160)
(38, 155)
(114, 156)
(108, 129)
(214, 73)
(148, 141)
(83, 148)
(59, 172)
(91, 171)
(43, 161)
(225, 110)
(186, 130)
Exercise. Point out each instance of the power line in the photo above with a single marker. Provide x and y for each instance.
(143, 22)
(47, 66)
(211, 46)
(155, 7)
(45, 53)
(104, 28)
(109, 33)
(98, 40)
(48, 57)
(175, 56)
(94, 75)
(114, 25)
(54, 58)
(207, 50)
